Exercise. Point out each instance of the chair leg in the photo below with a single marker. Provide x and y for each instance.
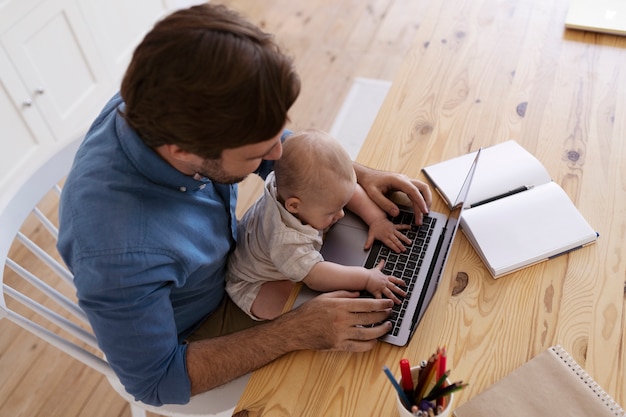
(136, 411)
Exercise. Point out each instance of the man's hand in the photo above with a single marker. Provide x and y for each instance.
(379, 184)
(340, 320)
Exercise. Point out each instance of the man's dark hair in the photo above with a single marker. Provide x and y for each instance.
(206, 79)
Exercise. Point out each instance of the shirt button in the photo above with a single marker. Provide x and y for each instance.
(182, 189)
(202, 186)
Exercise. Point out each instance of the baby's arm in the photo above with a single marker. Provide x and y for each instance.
(379, 226)
(329, 276)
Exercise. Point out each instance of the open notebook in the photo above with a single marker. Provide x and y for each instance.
(518, 216)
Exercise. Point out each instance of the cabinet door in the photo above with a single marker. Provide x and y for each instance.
(54, 53)
(118, 26)
(12, 10)
(22, 129)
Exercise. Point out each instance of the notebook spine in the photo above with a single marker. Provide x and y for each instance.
(606, 399)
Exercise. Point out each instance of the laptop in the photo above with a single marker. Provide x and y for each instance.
(420, 266)
(606, 16)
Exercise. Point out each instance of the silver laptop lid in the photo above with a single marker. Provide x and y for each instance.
(606, 16)
(445, 244)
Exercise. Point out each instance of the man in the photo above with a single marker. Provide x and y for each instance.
(147, 217)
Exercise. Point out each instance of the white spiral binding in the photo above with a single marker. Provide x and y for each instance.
(588, 380)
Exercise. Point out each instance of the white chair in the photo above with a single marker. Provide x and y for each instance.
(22, 198)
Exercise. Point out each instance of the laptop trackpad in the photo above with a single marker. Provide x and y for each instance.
(344, 242)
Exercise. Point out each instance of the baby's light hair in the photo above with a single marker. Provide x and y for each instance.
(311, 161)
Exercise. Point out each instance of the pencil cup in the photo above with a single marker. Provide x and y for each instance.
(404, 412)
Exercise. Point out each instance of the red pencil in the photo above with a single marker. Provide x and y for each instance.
(441, 370)
(407, 378)
(442, 362)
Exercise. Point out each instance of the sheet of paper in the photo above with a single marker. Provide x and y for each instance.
(526, 228)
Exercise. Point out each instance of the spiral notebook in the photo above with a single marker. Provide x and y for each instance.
(550, 384)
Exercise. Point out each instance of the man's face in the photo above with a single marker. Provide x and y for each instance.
(236, 163)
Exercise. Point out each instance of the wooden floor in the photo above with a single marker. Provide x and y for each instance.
(332, 42)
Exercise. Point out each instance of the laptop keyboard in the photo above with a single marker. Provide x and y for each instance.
(404, 265)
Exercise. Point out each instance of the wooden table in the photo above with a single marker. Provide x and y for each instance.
(480, 73)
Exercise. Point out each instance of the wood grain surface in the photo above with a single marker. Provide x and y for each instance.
(478, 73)
(467, 74)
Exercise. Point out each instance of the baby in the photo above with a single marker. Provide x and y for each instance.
(280, 236)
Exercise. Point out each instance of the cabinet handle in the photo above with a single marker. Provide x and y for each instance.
(40, 90)
(27, 103)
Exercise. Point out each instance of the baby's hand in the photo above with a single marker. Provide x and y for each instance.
(379, 284)
(388, 233)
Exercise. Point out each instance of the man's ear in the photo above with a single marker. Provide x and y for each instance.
(292, 204)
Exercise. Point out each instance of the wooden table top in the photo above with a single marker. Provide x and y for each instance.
(480, 73)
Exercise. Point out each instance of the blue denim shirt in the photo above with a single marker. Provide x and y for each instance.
(148, 247)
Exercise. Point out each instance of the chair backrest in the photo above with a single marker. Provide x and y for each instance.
(19, 206)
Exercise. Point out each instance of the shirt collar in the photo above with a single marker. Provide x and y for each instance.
(150, 164)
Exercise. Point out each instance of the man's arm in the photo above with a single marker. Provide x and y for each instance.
(332, 321)
(133, 320)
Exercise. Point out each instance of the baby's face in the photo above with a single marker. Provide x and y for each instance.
(325, 209)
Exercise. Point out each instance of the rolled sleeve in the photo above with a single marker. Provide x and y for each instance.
(135, 327)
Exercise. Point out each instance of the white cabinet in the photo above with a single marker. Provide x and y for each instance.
(60, 61)
(62, 72)
(23, 128)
